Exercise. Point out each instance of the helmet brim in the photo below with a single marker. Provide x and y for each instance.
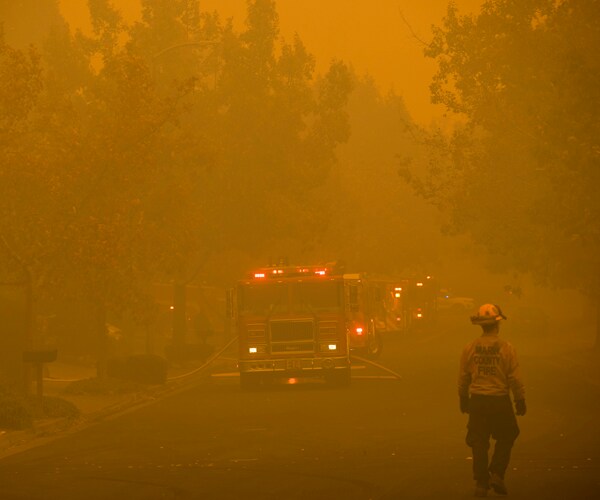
(486, 320)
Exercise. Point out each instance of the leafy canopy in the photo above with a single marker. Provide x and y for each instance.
(520, 175)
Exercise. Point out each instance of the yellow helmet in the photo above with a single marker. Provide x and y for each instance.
(488, 314)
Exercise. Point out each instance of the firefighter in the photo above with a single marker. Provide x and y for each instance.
(489, 372)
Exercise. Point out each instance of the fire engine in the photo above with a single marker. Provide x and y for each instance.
(304, 321)
(420, 303)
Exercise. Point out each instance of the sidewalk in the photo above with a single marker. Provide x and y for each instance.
(96, 407)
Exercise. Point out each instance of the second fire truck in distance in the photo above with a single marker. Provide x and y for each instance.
(304, 321)
(419, 303)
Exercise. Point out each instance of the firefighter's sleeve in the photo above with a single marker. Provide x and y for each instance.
(464, 375)
(515, 381)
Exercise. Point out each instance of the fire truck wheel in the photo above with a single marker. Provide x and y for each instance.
(338, 378)
(249, 381)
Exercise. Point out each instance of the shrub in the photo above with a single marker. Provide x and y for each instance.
(148, 369)
(15, 412)
(53, 407)
(189, 352)
(18, 411)
(141, 368)
(116, 368)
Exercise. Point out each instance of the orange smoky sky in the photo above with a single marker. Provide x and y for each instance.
(381, 38)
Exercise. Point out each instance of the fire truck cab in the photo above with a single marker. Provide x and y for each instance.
(291, 323)
(304, 321)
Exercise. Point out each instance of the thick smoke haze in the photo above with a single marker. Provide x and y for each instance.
(243, 243)
(384, 40)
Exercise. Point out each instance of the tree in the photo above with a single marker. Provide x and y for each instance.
(520, 175)
(41, 15)
(20, 86)
(120, 169)
(281, 128)
(133, 219)
(84, 151)
(259, 133)
(378, 224)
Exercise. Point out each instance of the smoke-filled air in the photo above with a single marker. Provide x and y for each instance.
(299, 249)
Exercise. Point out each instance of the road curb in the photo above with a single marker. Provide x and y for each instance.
(15, 441)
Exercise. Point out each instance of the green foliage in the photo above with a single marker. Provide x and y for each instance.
(20, 85)
(520, 175)
(55, 407)
(127, 163)
(15, 413)
(18, 411)
(140, 368)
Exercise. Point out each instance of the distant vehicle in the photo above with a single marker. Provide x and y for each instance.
(419, 303)
(449, 303)
(304, 321)
(528, 320)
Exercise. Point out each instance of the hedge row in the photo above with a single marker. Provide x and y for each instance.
(17, 411)
(140, 368)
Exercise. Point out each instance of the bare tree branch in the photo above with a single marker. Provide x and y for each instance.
(412, 31)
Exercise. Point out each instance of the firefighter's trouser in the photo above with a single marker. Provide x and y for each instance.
(491, 416)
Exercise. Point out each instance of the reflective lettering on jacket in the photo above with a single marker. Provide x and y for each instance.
(489, 366)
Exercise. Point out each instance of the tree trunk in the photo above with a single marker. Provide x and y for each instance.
(597, 342)
(595, 300)
(150, 338)
(29, 322)
(101, 340)
(179, 315)
(24, 327)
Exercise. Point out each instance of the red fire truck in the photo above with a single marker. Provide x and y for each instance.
(420, 303)
(302, 321)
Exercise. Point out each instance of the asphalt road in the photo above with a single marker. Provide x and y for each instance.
(378, 439)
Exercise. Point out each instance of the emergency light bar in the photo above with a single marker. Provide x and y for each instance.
(293, 271)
